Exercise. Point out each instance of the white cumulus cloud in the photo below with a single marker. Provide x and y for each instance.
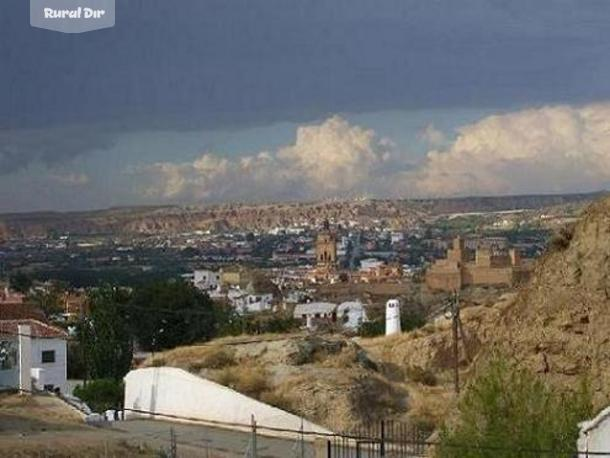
(332, 158)
(548, 149)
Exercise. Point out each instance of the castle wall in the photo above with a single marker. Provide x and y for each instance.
(479, 275)
(444, 281)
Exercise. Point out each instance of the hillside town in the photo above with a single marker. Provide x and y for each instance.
(304, 229)
(328, 283)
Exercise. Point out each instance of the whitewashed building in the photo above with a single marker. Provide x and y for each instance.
(352, 314)
(203, 279)
(311, 313)
(370, 264)
(32, 354)
(246, 302)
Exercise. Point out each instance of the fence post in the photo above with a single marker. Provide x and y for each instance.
(173, 450)
(382, 445)
(328, 449)
(254, 451)
(302, 439)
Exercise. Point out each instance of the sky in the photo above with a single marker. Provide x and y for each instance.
(202, 101)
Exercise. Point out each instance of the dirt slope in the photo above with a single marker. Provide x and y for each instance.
(557, 325)
(560, 323)
(329, 380)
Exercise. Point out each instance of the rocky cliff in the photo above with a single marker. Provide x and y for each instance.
(560, 323)
(557, 325)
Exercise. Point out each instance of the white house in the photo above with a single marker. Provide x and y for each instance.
(32, 353)
(352, 314)
(370, 264)
(203, 279)
(245, 302)
(310, 312)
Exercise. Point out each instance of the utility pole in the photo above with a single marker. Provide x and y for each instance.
(453, 312)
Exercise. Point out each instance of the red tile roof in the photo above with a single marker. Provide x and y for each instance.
(38, 329)
(20, 311)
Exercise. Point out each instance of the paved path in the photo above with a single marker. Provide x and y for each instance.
(210, 442)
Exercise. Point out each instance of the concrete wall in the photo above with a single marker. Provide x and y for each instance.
(25, 357)
(595, 434)
(172, 391)
(9, 371)
(54, 373)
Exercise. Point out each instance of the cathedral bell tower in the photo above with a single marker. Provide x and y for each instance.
(326, 248)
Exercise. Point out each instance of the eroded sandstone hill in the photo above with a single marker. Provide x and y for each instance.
(560, 323)
(557, 325)
(399, 213)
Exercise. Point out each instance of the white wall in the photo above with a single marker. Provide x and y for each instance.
(9, 377)
(206, 279)
(356, 314)
(172, 391)
(595, 434)
(54, 373)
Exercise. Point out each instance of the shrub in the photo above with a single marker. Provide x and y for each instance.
(215, 358)
(420, 375)
(102, 394)
(507, 408)
(561, 240)
(158, 362)
(410, 319)
(247, 380)
(279, 400)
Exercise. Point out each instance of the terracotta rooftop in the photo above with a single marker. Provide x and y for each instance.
(20, 311)
(38, 329)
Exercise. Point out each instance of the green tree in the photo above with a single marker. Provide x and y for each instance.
(165, 314)
(410, 319)
(507, 409)
(101, 395)
(21, 282)
(104, 335)
(49, 301)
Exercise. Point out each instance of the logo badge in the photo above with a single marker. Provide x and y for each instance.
(72, 16)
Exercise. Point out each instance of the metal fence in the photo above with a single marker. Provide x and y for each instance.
(384, 439)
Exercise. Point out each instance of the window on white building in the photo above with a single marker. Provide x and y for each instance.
(48, 356)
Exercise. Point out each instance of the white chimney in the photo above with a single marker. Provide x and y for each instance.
(25, 358)
(392, 317)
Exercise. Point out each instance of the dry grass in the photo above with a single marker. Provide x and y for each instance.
(430, 406)
(251, 381)
(279, 399)
(195, 358)
(215, 358)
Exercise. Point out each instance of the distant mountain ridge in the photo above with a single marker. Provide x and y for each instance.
(258, 217)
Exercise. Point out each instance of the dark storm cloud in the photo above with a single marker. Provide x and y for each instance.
(20, 147)
(205, 64)
(194, 63)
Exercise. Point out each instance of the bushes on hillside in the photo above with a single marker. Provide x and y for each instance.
(410, 319)
(561, 240)
(507, 409)
(102, 394)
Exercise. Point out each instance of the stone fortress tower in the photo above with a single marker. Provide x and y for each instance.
(492, 265)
